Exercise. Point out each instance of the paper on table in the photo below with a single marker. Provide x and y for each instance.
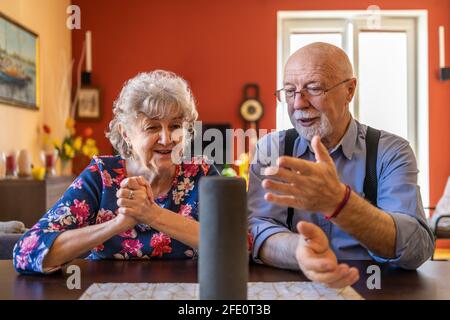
(189, 291)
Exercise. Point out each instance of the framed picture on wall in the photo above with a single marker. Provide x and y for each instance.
(88, 106)
(19, 65)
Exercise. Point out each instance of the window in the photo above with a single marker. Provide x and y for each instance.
(387, 62)
(383, 92)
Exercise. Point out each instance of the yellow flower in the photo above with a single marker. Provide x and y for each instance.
(68, 150)
(85, 150)
(94, 152)
(70, 123)
(56, 143)
(89, 151)
(77, 143)
(90, 142)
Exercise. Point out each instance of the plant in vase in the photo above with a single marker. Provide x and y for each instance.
(71, 145)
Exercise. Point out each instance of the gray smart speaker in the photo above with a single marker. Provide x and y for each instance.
(223, 253)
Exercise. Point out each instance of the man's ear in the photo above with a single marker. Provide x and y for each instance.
(351, 89)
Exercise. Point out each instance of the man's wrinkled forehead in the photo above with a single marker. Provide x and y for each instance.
(302, 62)
(296, 73)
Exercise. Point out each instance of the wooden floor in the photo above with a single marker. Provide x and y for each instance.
(442, 254)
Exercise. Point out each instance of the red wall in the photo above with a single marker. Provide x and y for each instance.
(218, 46)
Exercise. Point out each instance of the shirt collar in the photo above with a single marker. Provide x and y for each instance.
(347, 142)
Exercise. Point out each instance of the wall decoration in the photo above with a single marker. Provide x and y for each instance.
(19, 65)
(88, 107)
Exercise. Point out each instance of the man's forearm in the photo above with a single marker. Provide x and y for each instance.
(279, 250)
(369, 225)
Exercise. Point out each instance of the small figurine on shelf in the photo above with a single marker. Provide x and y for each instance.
(24, 164)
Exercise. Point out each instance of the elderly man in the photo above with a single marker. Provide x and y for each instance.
(339, 190)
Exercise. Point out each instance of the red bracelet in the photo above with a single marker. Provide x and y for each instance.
(341, 205)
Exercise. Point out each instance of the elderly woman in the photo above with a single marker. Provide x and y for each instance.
(139, 205)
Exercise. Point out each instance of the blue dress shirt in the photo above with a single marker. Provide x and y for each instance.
(398, 196)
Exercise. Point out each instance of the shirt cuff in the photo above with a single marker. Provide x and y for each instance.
(409, 251)
(261, 234)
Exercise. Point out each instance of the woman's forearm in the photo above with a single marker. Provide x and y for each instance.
(71, 244)
(176, 226)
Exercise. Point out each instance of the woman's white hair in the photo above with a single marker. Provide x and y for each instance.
(157, 94)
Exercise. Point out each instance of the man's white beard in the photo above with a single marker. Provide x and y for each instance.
(322, 128)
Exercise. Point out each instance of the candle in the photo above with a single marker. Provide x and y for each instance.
(441, 47)
(2, 165)
(11, 165)
(50, 163)
(88, 51)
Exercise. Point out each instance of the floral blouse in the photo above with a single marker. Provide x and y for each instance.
(91, 199)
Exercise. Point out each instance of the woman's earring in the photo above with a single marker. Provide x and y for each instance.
(129, 150)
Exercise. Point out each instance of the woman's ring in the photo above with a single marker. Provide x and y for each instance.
(131, 195)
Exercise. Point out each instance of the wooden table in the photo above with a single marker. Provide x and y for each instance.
(430, 281)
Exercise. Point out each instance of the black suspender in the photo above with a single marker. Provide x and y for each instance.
(289, 140)
(370, 180)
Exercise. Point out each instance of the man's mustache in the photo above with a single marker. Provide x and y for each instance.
(298, 114)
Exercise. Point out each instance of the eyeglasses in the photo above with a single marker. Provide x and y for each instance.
(288, 95)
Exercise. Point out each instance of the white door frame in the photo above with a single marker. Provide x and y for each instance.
(421, 56)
